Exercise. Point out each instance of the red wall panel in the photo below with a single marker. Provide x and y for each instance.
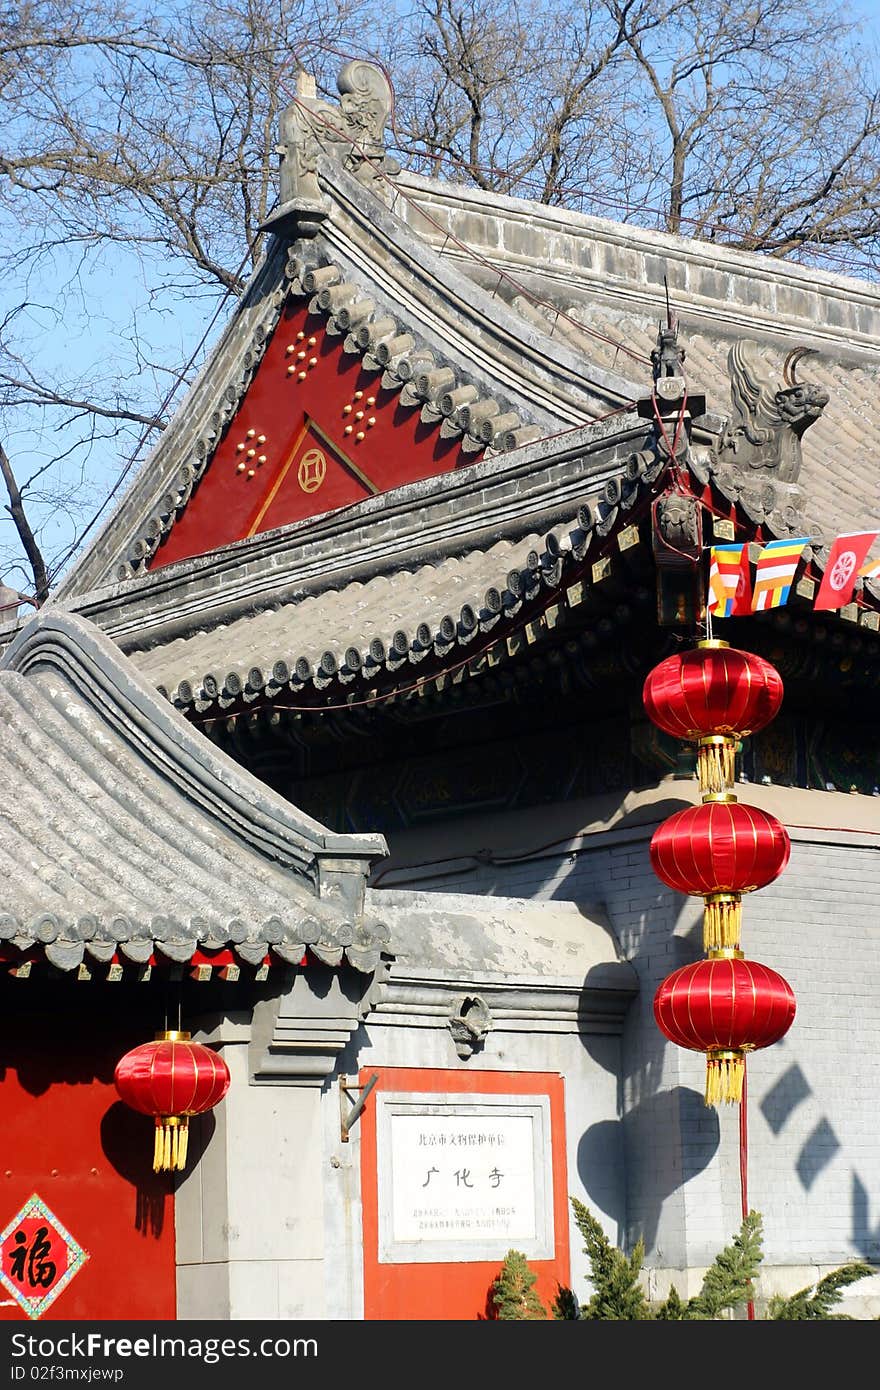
(308, 397)
(68, 1138)
(460, 1290)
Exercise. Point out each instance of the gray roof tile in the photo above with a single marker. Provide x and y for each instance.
(338, 618)
(117, 834)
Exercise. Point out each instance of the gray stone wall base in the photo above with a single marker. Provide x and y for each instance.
(250, 1213)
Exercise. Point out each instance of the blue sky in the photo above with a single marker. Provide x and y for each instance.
(78, 318)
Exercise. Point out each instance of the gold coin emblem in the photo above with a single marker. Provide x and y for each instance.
(312, 470)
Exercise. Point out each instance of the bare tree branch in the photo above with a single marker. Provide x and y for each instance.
(137, 168)
(22, 525)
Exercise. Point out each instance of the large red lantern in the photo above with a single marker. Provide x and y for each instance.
(171, 1078)
(718, 851)
(724, 1006)
(713, 695)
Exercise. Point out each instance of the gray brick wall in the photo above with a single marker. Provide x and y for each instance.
(813, 1131)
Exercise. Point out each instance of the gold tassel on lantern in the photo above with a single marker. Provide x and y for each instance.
(725, 1072)
(722, 919)
(169, 1149)
(716, 764)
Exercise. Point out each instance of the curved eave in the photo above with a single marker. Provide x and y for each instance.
(282, 654)
(396, 634)
(124, 834)
(470, 365)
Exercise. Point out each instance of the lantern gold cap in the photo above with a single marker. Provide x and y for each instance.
(726, 953)
(173, 1035)
(712, 642)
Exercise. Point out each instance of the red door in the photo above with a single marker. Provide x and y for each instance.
(87, 1228)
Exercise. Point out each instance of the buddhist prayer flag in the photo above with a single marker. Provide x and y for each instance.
(870, 569)
(775, 571)
(842, 570)
(729, 581)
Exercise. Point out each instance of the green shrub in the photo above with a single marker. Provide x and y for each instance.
(618, 1294)
(818, 1300)
(512, 1291)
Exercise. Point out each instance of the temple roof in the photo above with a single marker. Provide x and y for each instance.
(125, 836)
(442, 574)
(601, 284)
(430, 584)
(495, 322)
(526, 336)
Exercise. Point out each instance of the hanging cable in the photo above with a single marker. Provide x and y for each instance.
(744, 1160)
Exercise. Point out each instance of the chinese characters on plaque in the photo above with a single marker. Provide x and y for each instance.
(464, 1176)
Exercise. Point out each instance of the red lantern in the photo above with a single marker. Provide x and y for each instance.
(171, 1078)
(724, 1006)
(717, 851)
(713, 695)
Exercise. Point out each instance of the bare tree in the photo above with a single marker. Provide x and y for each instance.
(754, 122)
(506, 95)
(137, 165)
(770, 121)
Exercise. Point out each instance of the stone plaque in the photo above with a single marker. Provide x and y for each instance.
(463, 1177)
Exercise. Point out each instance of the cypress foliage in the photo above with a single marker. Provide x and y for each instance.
(565, 1306)
(728, 1281)
(618, 1295)
(512, 1291)
(816, 1301)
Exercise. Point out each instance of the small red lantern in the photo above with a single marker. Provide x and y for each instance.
(171, 1078)
(724, 1006)
(713, 695)
(718, 851)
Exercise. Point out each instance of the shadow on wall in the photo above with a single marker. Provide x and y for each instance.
(821, 1146)
(865, 1237)
(569, 875)
(660, 1114)
(127, 1139)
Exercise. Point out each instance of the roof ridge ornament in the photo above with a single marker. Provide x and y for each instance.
(351, 132)
(670, 398)
(667, 358)
(677, 528)
(769, 419)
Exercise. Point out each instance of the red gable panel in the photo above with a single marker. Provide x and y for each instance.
(314, 432)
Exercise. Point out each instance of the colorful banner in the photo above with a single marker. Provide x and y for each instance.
(842, 569)
(870, 569)
(732, 593)
(729, 581)
(775, 572)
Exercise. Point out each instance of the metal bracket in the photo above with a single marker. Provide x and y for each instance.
(348, 1117)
